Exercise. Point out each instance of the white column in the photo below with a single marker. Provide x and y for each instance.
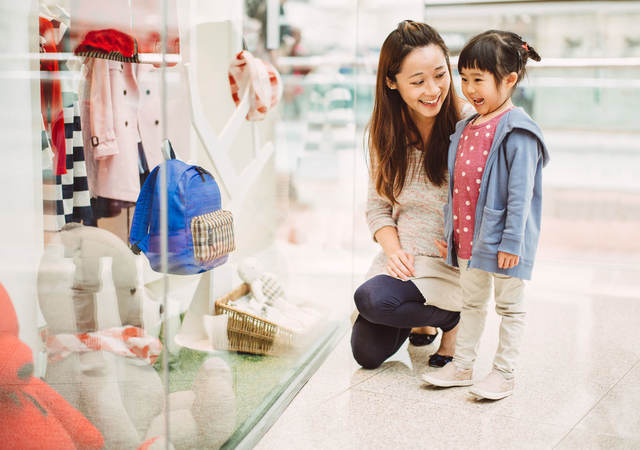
(21, 228)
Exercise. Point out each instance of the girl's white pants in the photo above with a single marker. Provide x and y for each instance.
(509, 297)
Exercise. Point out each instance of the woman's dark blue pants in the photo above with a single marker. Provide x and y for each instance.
(388, 308)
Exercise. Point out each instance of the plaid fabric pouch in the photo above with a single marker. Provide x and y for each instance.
(212, 235)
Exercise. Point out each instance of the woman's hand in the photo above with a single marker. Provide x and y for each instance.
(507, 260)
(442, 247)
(400, 264)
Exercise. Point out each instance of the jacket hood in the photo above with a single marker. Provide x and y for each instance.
(516, 118)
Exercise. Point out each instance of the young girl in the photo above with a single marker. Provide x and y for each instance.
(492, 219)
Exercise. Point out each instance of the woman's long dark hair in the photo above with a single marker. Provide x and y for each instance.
(392, 130)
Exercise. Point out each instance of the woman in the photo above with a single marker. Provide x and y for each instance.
(414, 114)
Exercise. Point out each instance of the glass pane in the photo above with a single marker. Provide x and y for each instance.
(257, 239)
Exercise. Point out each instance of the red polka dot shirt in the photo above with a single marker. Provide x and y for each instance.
(471, 158)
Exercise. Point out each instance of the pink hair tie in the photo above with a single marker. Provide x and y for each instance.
(525, 46)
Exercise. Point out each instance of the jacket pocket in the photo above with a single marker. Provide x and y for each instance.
(491, 229)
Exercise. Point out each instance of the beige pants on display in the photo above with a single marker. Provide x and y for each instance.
(509, 296)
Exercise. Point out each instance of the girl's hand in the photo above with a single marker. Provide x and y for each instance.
(507, 260)
(400, 264)
(442, 247)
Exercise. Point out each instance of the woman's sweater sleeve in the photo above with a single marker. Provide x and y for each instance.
(379, 210)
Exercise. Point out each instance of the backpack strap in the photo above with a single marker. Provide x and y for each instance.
(167, 150)
(139, 236)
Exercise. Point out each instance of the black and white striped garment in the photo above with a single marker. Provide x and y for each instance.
(53, 206)
(75, 187)
(66, 197)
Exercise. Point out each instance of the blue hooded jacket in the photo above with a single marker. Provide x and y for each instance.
(509, 204)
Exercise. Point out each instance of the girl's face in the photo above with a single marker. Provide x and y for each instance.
(479, 87)
(423, 82)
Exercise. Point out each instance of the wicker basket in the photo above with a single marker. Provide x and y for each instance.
(249, 333)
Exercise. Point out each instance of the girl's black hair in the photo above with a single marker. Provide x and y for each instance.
(497, 52)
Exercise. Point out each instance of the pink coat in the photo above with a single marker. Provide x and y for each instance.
(118, 110)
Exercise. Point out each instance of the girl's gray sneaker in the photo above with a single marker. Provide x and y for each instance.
(449, 376)
(493, 387)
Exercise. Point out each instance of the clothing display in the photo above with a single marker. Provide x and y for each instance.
(99, 325)
(66, 192)
(51, 96)
(115, 123)
(53, 205)
(109, 44)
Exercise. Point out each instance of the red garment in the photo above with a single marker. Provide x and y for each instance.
(51, 97)
(108, 41)
(32, 413)
(471, 158)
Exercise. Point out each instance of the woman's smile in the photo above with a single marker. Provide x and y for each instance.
(431, 103)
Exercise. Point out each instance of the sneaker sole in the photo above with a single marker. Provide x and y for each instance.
(446, 383)
(480, 394)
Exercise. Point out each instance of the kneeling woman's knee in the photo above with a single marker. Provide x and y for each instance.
(366, 356)
(362, 298)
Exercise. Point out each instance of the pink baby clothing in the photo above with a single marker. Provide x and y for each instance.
(471, 158)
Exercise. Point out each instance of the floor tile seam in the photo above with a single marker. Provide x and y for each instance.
(335, 394)
(633, 366)
(351, 386)
(382, 370)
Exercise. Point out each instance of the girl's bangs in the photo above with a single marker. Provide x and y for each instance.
(478, 55)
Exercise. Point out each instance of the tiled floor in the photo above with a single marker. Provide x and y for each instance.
(578, 385)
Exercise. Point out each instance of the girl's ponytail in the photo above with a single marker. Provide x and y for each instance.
(530, 52)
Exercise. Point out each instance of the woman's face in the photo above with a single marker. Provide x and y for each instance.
(423, 82)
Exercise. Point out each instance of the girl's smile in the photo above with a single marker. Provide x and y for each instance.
(481, 89)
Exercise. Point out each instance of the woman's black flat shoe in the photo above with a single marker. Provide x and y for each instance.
(436, 360)
(420, 339)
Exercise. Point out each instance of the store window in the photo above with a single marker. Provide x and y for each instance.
(177, 243)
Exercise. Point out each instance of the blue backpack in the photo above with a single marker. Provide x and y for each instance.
(200, 234)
